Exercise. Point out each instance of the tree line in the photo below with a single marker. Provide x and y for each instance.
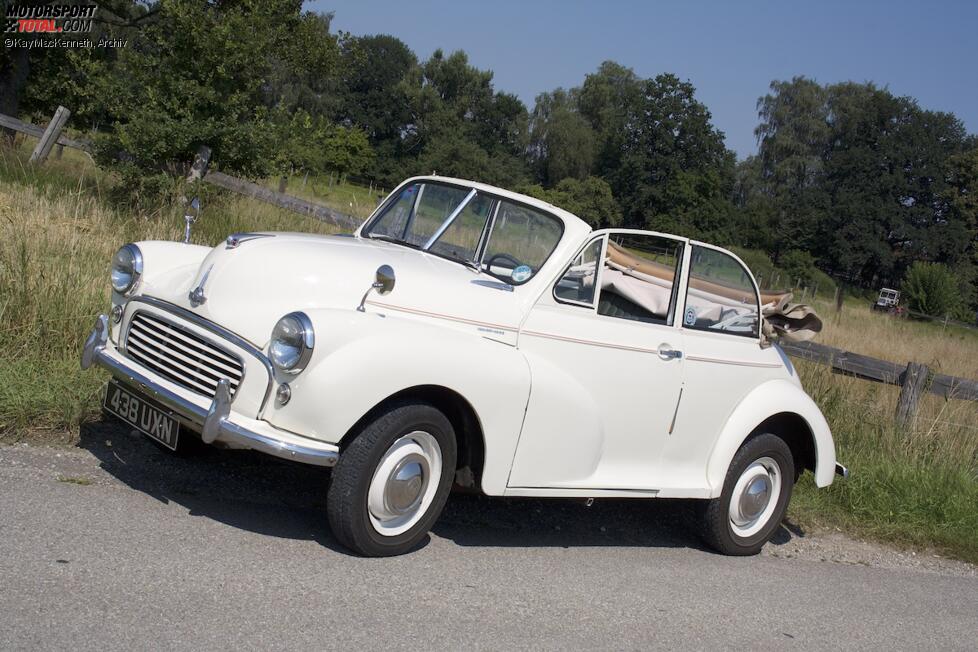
(849, 179)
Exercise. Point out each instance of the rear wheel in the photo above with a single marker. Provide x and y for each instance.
(755, 497)
(392, 481)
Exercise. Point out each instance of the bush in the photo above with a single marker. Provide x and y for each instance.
(932, 289)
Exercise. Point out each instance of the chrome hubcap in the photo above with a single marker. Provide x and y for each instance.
(404, 483)
(755, 497)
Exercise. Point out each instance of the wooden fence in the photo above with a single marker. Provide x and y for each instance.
(51, 135)
(914, 379)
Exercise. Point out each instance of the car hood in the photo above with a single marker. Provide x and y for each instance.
(249, 287)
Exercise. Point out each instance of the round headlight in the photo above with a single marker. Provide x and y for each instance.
(292, 343)
(127, 267)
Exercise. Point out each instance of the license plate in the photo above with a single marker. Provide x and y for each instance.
(140, 413)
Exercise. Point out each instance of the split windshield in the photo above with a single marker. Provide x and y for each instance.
(507, 240)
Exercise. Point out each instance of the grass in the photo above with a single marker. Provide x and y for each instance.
(57, 236)
(329, 191)
(914, 487)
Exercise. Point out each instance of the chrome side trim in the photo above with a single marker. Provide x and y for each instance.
(739, 363)
(215, 421)
(220, 331)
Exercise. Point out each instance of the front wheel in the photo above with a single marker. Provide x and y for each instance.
(392, 481)
(755, 497)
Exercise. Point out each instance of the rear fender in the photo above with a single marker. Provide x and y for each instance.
(766, 400)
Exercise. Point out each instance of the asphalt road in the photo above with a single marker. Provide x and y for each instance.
(116, 545)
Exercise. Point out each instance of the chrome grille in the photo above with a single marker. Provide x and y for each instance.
(180, 355)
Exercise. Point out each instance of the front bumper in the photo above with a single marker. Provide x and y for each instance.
(215, 421)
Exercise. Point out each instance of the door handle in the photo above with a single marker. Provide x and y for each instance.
(666, 352)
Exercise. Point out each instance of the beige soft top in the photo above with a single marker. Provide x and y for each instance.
(794, 322)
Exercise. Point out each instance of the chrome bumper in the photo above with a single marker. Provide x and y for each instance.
(215, 422)
(841, 470)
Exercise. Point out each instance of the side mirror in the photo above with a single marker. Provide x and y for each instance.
(383, 282)
(189, 217)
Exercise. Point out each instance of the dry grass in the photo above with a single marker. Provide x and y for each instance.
(57, 236)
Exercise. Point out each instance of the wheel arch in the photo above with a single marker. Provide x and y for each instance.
(795, 431)
(469, 435)
(795, 418)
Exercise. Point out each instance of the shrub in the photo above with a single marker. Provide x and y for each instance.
(932, 289)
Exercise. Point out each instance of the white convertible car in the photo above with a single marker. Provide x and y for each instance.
(466, 334)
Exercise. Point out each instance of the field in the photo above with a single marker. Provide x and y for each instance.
(916, 487)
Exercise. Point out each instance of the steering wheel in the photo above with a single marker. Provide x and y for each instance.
(506, 257)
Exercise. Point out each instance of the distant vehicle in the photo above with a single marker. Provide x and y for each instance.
(888, 300)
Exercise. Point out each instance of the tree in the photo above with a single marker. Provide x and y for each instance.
(604, 100)
(217, 59)
(373, 94)
(675, 172)
(590, 199)
(931, 289)
(793, 136)
(562, 142)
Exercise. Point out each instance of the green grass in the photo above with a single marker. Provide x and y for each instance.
(913, 487)
(345, 197)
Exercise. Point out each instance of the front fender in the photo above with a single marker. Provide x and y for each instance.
(766, 400)
(360, 359)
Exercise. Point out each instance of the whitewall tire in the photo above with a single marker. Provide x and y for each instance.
(392, 480)
(755, 497)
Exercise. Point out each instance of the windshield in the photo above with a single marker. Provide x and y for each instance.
(507, 240)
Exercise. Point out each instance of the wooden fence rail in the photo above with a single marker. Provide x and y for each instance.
(914, 379)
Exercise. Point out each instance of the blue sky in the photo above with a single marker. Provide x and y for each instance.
(730, 51)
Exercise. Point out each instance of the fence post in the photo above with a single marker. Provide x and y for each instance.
(201, 160)
(914, 379)
(838, 298)
(50, 135)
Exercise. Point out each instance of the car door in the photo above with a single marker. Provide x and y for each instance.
(724, 359)
(605, 355)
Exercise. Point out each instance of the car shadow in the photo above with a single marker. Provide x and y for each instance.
(278, 498)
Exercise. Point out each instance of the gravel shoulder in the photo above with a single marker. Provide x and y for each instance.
(116, 544)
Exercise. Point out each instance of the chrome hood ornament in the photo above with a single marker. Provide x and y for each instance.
(235, 239)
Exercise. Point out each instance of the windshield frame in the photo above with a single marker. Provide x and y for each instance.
(480, 251)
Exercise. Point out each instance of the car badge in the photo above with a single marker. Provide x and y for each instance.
(196, 295)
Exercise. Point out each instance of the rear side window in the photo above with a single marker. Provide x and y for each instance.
(721, 296)
(638, 281)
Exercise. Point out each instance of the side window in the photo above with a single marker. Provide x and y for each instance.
(721, 296)
(521, 241)
(577, 283)
(638, 281)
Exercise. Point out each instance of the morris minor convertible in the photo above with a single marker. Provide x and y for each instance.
(469, 335)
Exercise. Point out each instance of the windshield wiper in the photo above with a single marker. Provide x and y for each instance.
(390, 238)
